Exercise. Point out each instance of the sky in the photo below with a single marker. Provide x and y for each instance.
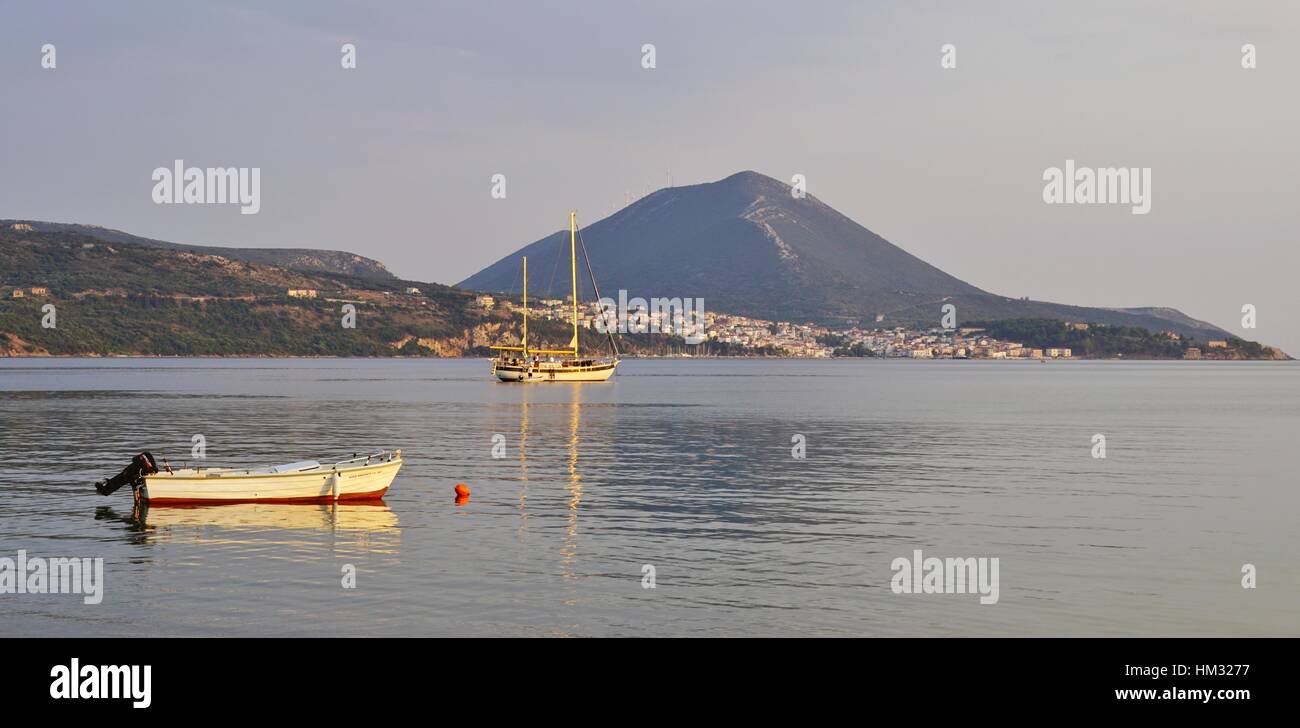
(394, 159)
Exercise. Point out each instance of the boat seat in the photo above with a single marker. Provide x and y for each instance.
(293, 467)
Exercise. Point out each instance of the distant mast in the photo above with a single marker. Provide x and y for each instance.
(573, 270)
(525, 347)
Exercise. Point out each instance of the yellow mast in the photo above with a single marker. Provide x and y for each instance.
(525, 307)
(573, 267)
(523, 348)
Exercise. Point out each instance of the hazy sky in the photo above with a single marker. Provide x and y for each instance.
(393, 160)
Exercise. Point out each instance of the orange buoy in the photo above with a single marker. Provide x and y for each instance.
(462, 489)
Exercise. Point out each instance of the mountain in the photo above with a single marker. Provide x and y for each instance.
(300, 259)
(746, 246)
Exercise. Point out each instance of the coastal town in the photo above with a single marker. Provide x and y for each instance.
(761, 337)
(807, 340)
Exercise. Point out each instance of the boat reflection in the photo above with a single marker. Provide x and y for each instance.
(569, 553)
(370, 525)
(573, 483)
(523, 464)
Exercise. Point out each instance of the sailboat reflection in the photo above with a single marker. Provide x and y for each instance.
(573, 484)
(569, 553)
(523, 464)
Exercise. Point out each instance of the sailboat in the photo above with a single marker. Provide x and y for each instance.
(522, 364)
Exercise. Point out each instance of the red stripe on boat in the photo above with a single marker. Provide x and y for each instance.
(373, 495)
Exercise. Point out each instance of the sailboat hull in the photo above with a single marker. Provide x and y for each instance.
(554, 372)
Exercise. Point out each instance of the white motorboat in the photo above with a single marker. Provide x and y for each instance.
(359, 478)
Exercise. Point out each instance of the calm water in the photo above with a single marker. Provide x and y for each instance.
(683, 465)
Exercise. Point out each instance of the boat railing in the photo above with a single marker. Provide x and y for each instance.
(381, 456)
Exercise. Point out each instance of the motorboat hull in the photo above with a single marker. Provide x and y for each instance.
(348, 481)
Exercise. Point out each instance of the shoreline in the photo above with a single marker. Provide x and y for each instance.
(38, 357)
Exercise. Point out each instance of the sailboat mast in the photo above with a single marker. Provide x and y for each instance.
(573, 268)
(525, 307)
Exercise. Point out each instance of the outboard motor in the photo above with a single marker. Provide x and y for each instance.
(134, 474)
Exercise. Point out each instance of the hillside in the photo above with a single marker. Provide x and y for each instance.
(745, 245)
(299, 259)
(124, 298)
(1118, 342)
